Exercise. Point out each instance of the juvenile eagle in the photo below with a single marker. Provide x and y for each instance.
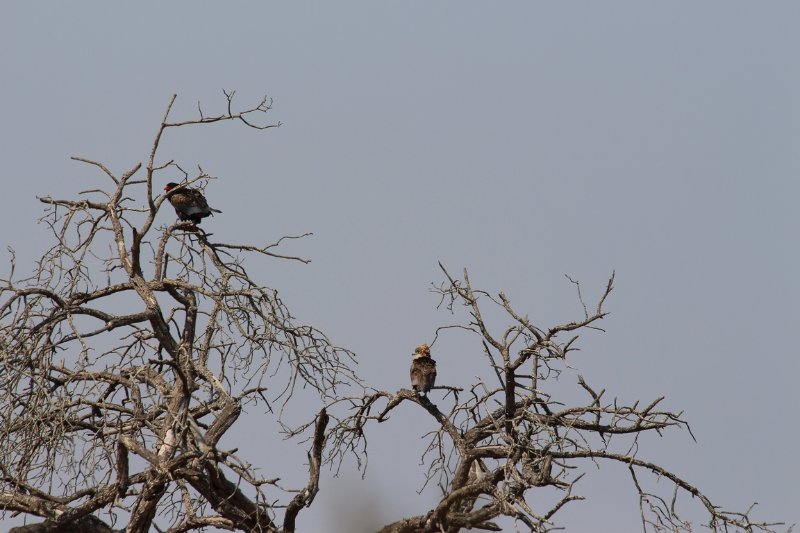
(189, 204)
(423, 369)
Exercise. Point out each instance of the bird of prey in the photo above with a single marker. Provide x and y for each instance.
(189, 204)
(423, 369)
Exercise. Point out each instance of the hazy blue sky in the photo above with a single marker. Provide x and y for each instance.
(524, 141)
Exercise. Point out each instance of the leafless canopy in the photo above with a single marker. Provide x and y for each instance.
(132, 348)
(506, 448)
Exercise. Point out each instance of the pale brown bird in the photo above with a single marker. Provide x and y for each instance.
(423, 369)
(189, 204)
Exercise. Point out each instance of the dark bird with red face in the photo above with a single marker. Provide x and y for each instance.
(189, 204)
(423, 369)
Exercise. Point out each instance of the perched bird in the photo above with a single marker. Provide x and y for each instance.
(189, 204)
(423, 369)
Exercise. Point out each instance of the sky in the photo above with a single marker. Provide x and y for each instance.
(521, 140)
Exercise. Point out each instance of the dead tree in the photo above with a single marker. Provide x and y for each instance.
(133, 348)
(506, 447)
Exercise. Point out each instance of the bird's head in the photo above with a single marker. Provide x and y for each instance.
(423, 350)
(169, 186)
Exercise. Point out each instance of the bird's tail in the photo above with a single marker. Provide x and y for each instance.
(214, 210)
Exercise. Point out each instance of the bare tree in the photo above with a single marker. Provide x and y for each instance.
(132, 349)
(508, 448)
